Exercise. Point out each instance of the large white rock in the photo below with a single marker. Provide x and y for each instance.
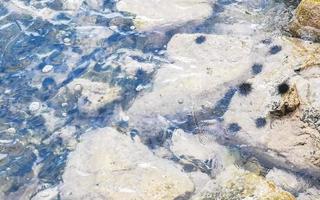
(198, 76)
(110, 165)
(150, 14)
(288, 139)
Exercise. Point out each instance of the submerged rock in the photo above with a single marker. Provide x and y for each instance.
(90, 96)
(310, 194)
(281, 97)
(200, 152)
(287, 181)
(110, 165)
(47, 194)
(198, 76)
(151, 14)
(237, 184)
(306, 23)
(74, 5)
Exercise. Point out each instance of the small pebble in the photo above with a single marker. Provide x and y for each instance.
(77, 88)
(64, 104)
(34, 106)
(11, 130)
(66, 40)
(113, 27)
(7, 91)
(47, 68)
(132, 27)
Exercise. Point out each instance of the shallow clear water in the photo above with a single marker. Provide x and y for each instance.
(45, 48)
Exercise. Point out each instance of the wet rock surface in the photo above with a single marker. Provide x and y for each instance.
(279, 96)
(196, 78)
(92, 96)
(115, 165)
(155, 14)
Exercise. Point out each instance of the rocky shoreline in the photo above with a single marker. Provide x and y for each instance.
(268, 116)
(227, 109)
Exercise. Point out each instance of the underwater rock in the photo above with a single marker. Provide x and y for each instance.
(211, 157)
(91, 37)
(90, 96)
(71, 4)
(287, 181)
(111, 165)
(239, 184)
(284, 139)
(198, 76)
(75, 5)
(306, 23)
(132, 61)
(200, 147)
(151, 14)
(47, 194)
(310, 194)
(95, 4)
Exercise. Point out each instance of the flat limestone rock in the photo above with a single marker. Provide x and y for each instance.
(110, 165)
(278, 118)
(199, 75)
(151, 14)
